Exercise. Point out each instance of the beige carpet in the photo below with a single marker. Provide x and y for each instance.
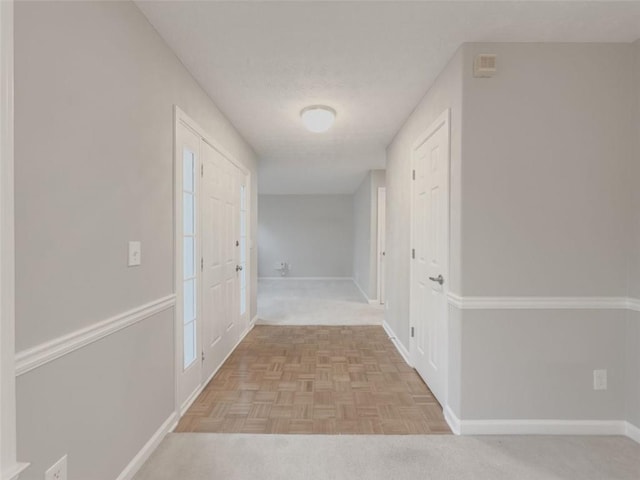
(199, 456)
(314, 302)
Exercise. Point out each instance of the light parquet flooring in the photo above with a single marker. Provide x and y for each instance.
(315, 379)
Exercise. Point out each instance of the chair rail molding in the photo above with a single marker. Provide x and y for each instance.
(543, 303)
(46, 352)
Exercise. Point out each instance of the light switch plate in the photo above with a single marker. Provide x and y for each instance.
(599, 379)
(135, 253)
(58, 471)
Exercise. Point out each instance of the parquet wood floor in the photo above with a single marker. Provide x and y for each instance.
(316, 379)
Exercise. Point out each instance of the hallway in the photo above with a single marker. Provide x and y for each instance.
(326, 380)
(314, 302)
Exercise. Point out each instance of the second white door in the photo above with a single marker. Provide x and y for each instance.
(430, 254)
(223, 261)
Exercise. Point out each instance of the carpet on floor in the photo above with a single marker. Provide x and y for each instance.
(199, 456)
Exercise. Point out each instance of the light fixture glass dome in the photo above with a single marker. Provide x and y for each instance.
(318, 118)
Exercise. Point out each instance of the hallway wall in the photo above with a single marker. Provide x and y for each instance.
(539, 210)
(365, 238)
(95, 89)
(446, 92)
(545, 146)
(633, 325)
(313, 233)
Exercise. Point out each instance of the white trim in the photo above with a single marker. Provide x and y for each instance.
(14, 472)
(452, 420)
(540, 427)
(633, 304)
(253, 322)
(46, 352)
(145, 452)
(370, 301)
(305, 278)
(189, 401)
(632, 432)
(399, 346)
(9, 467)
(547, 303)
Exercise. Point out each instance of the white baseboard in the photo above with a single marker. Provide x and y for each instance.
(13, 472)
(452, 420)
(540, 427)
(399, 346)
(253, 321)
(632, 431)
(304, 278)
(142, 456)
(370, 301)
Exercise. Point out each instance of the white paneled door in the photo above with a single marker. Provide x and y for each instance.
(222, 258)
(430, 255)
(212, 238)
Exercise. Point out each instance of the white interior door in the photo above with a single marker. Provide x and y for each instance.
(430, 254)
(382, 246)
(187, 268)
(214, 296)
(220, 227)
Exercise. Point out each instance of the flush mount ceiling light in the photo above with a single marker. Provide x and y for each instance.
(318, 118)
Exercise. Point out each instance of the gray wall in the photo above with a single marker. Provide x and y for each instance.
(537, 187)
(546, 143)
(95, 89)
(314, 233)
(365, 238)
(633, 327)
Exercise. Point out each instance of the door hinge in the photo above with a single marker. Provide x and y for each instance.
(413, 253)
(413, 332)
(202, 169)
(203, 355)
(413, 175)
(201, 263)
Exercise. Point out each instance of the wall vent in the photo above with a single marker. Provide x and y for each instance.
(485, 65)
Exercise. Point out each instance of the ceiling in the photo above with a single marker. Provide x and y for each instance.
(262, 62)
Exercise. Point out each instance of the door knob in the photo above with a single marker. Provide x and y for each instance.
(438, 279)
(238, 268)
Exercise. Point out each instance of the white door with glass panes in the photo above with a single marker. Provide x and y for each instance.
(212, 231)
(187, 261)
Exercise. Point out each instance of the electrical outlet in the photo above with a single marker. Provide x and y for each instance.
(58, 471)
(599, 379)
(135, 254)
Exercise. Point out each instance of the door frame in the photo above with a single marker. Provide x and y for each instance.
(180, 117)
(381, 225)
(441, 121)
(9, 466)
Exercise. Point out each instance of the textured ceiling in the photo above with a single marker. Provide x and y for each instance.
(262, 62)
